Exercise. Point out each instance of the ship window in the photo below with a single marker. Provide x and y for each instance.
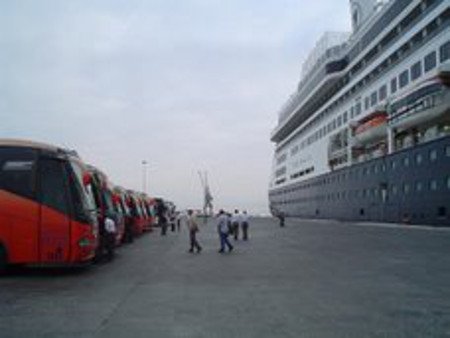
(393, 85)
(394, 189)
(416, 70)
(404, 49)
(355, 18)
(406, 188)
(382, 92)
(429, 3)
(352, 112)
(419, 159)
(403, 79)
(345, 117)
(394, 57)
(417, 38)
(339, 121)
(389, 37)
(419, 186)
(433, 185)
(413, 15)
(430, 61)
(406, 161)
(366, 103)
(433, 155)
(358, 108)
(431, 27)
(444, 51)
(393, 164)
(373, 99)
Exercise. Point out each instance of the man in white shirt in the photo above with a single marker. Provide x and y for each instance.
(193, 229)
(235, 223)
(223, 230)
(110, 237)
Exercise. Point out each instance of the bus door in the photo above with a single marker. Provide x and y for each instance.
(54, 231)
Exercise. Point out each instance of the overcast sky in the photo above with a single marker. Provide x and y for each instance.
(183, 84)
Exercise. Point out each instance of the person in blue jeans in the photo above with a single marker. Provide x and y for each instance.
(223, 230)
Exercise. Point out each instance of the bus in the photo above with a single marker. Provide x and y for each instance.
(137, 213)
(120, 200)
(47, 217)
(104, 203)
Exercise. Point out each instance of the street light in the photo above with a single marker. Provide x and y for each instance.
(144, 176)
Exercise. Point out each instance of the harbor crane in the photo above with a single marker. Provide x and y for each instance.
(207, 197)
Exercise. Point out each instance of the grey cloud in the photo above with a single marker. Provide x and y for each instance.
(187, 85)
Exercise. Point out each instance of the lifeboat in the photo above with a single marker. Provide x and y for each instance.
(426, 103)
(370, 128)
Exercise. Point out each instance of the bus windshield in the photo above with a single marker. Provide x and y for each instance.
(86, 196)
(108, 200)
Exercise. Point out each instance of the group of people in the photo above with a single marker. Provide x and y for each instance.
(227, 225)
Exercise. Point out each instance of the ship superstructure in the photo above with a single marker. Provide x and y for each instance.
(366, 135)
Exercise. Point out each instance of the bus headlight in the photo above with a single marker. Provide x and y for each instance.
(84, 242)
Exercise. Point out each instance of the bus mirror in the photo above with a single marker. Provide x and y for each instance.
(87, 179)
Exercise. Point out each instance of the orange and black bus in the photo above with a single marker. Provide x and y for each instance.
(47, 215)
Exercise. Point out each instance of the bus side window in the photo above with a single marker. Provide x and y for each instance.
(17, 171)
(53, 185)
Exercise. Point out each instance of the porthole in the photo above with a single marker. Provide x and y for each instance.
(419, 159)
(433, 155)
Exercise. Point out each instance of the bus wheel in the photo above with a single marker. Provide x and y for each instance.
(3, 260)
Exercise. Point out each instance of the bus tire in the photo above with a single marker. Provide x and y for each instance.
(3, 260)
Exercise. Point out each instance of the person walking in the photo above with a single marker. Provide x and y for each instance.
(193, 229)
(172, 219)
(178, 218)
(163, 224)
(235, 223)
(222, 229)
(244, 224)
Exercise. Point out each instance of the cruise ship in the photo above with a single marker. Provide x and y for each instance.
(366, 134)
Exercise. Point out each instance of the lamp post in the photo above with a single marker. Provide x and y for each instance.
(144, 176)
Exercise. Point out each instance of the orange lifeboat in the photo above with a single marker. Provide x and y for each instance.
(371, 127)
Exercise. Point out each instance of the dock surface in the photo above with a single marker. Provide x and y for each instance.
(308, 279)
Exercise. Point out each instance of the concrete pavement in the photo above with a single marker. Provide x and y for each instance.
(310, 279)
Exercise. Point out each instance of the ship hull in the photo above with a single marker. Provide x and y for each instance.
(410, 186)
